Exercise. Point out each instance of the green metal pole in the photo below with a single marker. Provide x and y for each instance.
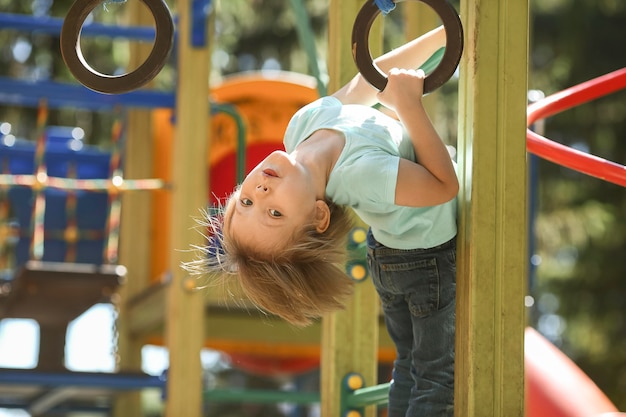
(375, 395)
(261, 396)
(434, 60)
(241, 136)
(307, 40)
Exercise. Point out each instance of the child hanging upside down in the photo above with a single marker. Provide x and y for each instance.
(283, 231)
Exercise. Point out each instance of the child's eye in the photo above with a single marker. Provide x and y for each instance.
(275, 213)
(245, 202)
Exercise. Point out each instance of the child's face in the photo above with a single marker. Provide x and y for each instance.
(276, 199)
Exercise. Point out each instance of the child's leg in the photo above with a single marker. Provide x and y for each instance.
(403, 375)
(433, 361)
(417, 289)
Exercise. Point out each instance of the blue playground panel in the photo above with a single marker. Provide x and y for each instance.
(91, 207)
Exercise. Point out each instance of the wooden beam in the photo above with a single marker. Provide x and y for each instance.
(135, 225)
(144, 314)
(349, 338)
(230, 323)
(251, 326)
(492, 237)
(184, 327)
(52, 337)
(419, 18)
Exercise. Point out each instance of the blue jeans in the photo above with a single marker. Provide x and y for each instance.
(417, 288)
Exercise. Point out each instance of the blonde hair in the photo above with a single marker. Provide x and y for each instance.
(299, 283)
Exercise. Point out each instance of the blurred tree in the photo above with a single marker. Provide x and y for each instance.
(263, 34)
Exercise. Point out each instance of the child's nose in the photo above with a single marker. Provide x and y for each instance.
(261, 187)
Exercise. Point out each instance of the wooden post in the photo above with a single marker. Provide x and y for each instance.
(492, 203)
(184, 320)
(135, 225)
(419, 18)
(52, 338)
(350, 337)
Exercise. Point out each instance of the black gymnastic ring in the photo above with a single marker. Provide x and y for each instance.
(439, 76)
(108, 84)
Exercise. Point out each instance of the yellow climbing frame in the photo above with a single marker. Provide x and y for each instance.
(349, 338)
(492, 255)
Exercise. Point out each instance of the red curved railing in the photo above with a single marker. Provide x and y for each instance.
(563, 155)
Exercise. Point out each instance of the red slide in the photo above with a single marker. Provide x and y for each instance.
(556, 387)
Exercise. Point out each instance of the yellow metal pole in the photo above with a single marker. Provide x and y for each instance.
(184, 323)
(350, 337)
(492, 236)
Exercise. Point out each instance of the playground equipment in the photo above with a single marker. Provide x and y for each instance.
(64, 259)
(311, 340)
(264, 101)
(41, 392)
(75, 61)
(442, 72)
(62, 198)
(555, 386)
(566, 156)
(552, 379)
(244, 97)
(545, 391)
(65, 255)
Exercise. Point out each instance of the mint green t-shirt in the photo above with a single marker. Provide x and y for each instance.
(366, 173)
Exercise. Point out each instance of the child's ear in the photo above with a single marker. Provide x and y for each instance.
(322, 216)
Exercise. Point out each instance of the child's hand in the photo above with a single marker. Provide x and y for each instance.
(404, 88)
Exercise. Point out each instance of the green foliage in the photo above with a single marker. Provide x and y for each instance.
(262, 34)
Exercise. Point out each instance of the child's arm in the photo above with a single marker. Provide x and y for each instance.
(432, 180)
(410, 55)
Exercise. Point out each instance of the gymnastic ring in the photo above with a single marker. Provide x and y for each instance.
(439, 76)
(108, 84)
